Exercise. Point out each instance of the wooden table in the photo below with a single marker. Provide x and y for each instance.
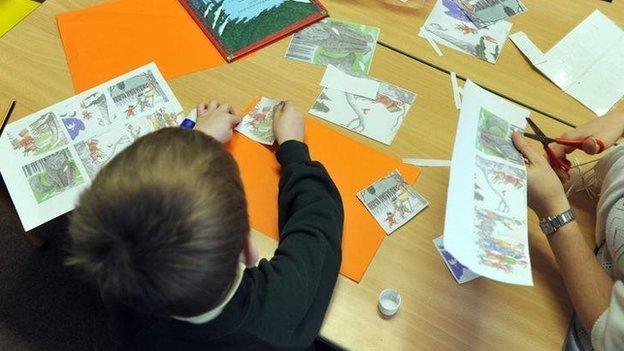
(546, 22)
(436, 313)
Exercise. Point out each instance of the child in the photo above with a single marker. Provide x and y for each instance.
(594, 283)
(163, 225)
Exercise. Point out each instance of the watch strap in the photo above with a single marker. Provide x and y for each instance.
(551, 224)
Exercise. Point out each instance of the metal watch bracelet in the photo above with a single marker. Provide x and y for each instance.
(551, 224)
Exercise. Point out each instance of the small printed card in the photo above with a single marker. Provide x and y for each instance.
(484, 13)
(392, 201)
(448, 25)
(349, 46)
(257, 124)
(460, 272)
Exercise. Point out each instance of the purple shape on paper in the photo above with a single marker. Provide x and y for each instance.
(74, 126)
(456, 268)
(455, 11)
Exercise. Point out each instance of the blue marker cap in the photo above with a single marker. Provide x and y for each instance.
(188, 124)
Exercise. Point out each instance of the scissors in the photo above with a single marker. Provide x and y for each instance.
(555, 161)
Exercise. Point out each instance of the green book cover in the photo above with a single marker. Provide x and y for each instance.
(238, 27)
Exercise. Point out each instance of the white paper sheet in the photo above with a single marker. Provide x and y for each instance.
(486, 211)
(379, 118)
(586, 63)
(337, 79)
(56, 152)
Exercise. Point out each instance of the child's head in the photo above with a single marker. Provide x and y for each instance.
(163, 224)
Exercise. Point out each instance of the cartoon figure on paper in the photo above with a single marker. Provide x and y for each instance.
(39, 137)
(497, 252)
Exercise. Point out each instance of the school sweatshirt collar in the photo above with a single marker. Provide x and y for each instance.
(215, 312)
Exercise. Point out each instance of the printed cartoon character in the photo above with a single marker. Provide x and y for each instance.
(144, 103)
(259, 117)
(149, 93)
(466, 29)
(506, 179)
(94, 149)
(490, 39)
(402, 203)
(27, 142)
(130, 111)
(74, 126)
(86, 115)
(390, 219)
(390, 104)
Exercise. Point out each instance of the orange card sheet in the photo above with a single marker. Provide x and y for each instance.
(107, 40)
(352, 166)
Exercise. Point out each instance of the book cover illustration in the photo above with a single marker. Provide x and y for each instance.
(237, 27)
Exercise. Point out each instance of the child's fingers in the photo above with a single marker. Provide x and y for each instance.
(234, 120)
(213, 105)
(201, 108)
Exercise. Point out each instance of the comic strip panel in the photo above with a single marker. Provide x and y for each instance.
(349, 46)
(494, 138)
(97, 151)
(84, 117)
(52, 175)
(137, 95)
(42, 135)
(500, 187)
(392, 201)
(500, 241)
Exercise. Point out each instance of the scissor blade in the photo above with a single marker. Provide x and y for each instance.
(538, 132)
(538, 138)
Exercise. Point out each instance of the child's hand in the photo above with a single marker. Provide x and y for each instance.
(288, 124)
(216, 120)
(608, 128)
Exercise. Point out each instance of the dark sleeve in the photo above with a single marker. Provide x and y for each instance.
(294, 288)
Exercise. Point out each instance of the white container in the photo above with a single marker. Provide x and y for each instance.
(389, 302)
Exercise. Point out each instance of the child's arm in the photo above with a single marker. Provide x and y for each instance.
(295, 287)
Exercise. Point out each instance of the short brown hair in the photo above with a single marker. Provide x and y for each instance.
(162, 226)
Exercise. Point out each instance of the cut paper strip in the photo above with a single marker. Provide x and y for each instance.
(426, 162)
(528, 48)
(456, 91)
(352, 166)
(433, 44)
(104, 41)
(337, 79)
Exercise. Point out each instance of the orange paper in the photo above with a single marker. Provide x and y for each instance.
(351, 165)
(105, 41)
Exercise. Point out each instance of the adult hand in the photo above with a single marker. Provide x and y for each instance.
(608, 129)
(288, 123)
(545, 192)
(216, 120)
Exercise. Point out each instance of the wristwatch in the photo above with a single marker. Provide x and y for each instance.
(550, 225)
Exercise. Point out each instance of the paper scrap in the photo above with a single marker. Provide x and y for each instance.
(432, 42)
(347, 45)
(484, 13)
(448, 25)
(337, 79)
(425, 162)
(460, 272)
(379, 118)
(587, 63)
(57, 152)
(456, 91)
(392, 201)
(257, 125)
(486, 212)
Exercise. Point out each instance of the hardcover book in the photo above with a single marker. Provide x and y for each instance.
(238, 27)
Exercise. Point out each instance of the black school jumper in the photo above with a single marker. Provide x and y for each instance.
(281, 303)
